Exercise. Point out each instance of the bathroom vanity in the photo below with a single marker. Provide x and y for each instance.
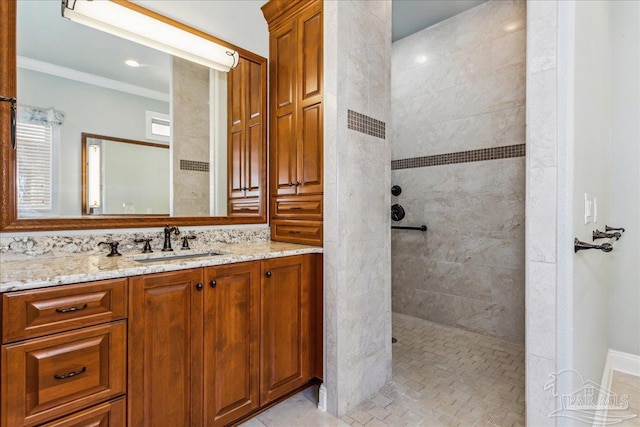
(199, 341)
(207, 340)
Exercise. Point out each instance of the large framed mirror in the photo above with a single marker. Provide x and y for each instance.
(204, 129)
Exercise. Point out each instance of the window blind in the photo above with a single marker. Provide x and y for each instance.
(35, 161)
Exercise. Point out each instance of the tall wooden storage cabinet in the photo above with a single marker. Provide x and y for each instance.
(246, 127)
(296, 140)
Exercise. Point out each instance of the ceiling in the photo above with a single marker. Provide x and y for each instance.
(64, 43)
(410, 16)
(61, 42)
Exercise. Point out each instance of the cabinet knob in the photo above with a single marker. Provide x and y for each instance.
(297, 183)
(268, 274)
(291, 184)
(213, 283)
(199, 286)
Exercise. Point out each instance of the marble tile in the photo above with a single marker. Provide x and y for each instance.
(542, 119)
(446, 376)
(542, 22)
(508, 50)
(190, 128)
(508, 127)
(433, 306)
(541, 297)
(541, 214)
(295, 411)
(357, 231)
(540, 403)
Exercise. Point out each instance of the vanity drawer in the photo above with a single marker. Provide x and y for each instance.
(46, 378)
(241, 207)
(34, 313)
(110, 414)
(304, 232)
(300, 206)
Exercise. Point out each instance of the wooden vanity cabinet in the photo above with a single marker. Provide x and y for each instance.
(209, 346)
(166, 349)
(285, 333)
(231, 342)
(63, 357)
(296, 119)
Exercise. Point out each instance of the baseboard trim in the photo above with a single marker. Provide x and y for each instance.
(625, 362)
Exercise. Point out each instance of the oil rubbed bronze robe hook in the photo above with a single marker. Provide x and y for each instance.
(578, 246)
(597, 234)
(607, 229)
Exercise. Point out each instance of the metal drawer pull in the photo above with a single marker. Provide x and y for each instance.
(295, 208)
(70, 374)
(71, 309)
(293, 232)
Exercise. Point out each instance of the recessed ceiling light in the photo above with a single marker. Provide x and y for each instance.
(132, 63)
(421, 59)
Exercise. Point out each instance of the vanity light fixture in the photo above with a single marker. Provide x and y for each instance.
(125, 19)
(93, 176)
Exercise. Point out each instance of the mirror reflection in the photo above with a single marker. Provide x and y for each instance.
(120, 162)
(75, 81)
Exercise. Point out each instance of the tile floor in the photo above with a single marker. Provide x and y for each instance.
(442, 376)
(627, 384)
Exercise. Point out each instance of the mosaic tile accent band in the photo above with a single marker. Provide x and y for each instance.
(365, 124)
(479, 155)
(193, 165)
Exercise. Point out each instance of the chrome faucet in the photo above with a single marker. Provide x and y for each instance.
(167, 237)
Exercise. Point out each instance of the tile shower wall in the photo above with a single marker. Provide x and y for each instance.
(457, 98)
(357, 173)
(190, 122)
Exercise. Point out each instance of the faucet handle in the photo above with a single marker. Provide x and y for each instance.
(147, 246)
(185, 242)
(113, 246)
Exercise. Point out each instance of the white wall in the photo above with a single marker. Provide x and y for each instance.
(591, 145)
(89, 109)
(624, 286)
(147, 167)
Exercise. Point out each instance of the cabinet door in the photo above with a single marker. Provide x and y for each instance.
(284, 326)
(237, 131)
(165, 349)
(283, 134)
(255, 81)
(309, 102)
(231, 342)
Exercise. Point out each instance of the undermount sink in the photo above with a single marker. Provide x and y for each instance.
(172, 256)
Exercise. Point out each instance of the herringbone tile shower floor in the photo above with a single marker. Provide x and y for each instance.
(442, 376)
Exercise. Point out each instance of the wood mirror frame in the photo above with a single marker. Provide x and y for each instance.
(9, 221)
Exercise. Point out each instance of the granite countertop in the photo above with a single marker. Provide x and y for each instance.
(41, 272)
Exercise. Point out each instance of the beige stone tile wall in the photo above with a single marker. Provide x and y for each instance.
(459, 86)
(190, 127)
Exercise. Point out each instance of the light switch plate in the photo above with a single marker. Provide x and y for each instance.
(587, 208)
